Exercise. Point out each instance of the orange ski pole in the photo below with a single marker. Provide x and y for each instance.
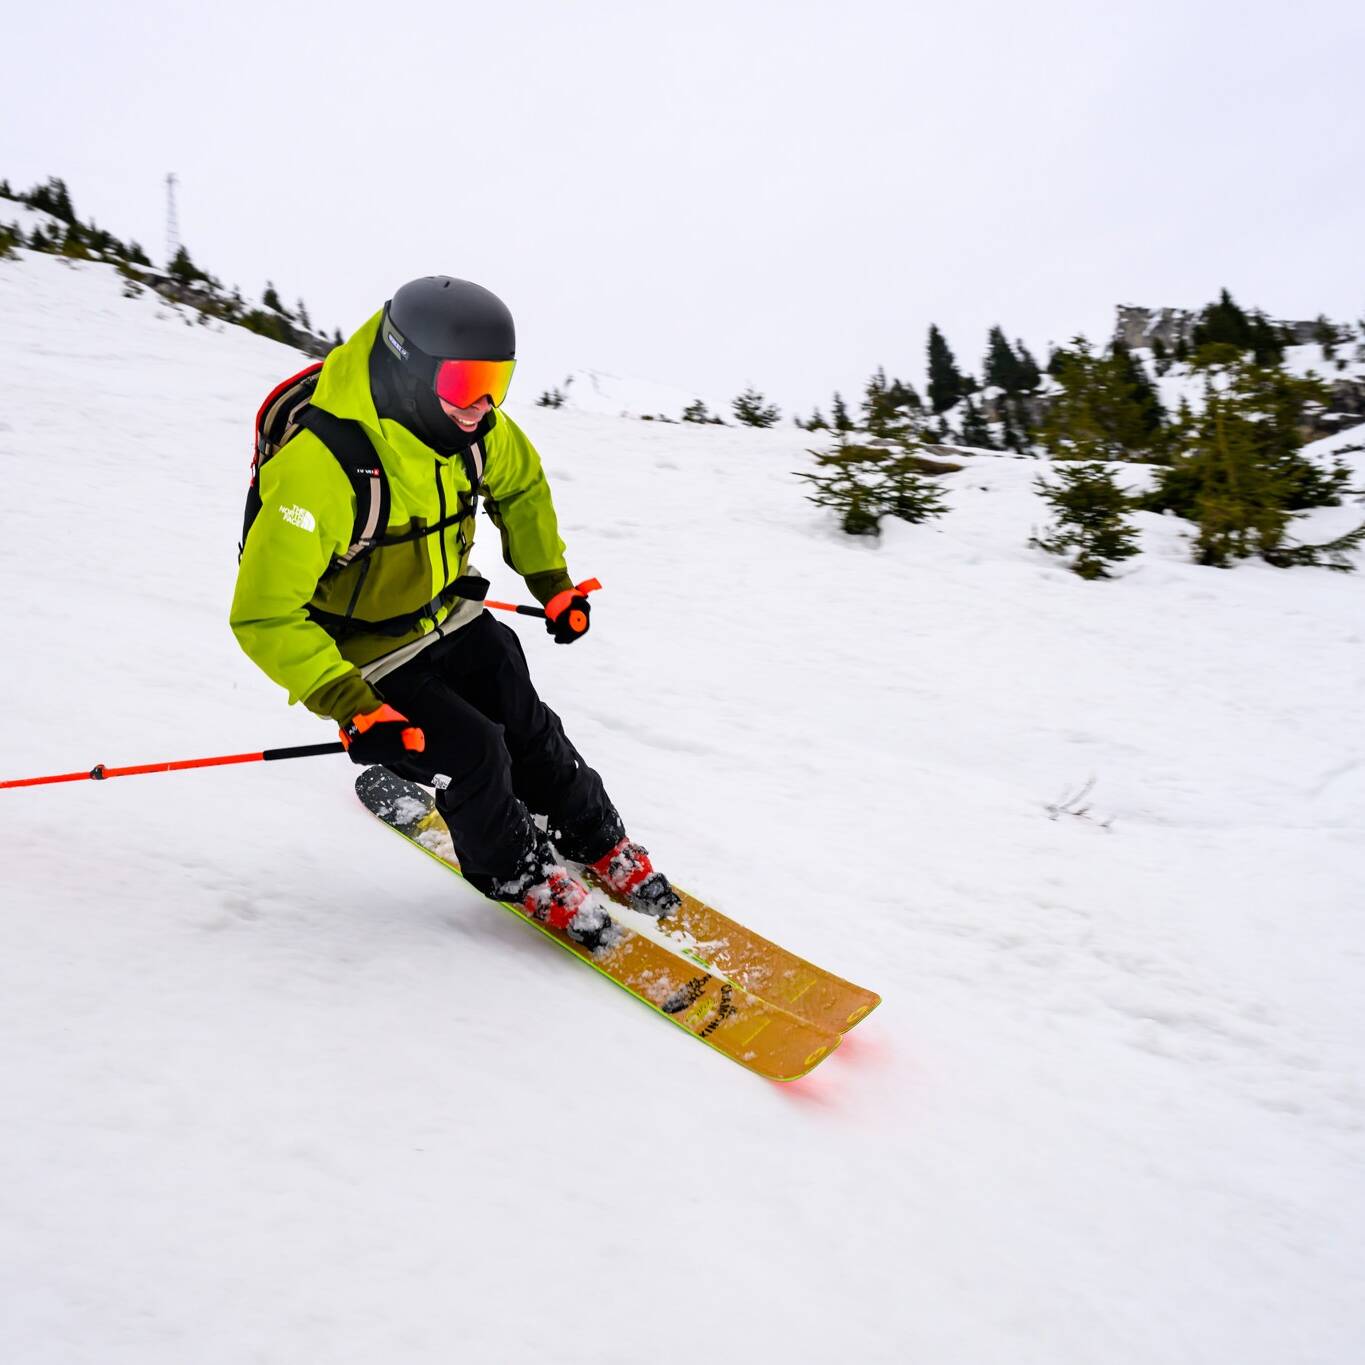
(99, 772)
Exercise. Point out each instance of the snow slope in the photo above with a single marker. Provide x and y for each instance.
(26, 219)
(612, 395)
(277, 1089)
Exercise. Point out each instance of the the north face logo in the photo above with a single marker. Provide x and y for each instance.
(300, 517)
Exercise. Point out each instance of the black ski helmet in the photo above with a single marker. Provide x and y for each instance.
(439, 318)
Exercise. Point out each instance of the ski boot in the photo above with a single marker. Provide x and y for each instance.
(626, 872)
(552, 896)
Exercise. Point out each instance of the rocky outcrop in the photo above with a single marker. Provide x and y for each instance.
(1138, 327)
(1348, 407)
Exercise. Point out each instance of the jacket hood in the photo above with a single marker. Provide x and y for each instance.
(344, 384)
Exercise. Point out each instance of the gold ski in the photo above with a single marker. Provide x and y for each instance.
(762, 1035)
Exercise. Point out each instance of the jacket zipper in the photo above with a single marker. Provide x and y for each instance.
(441, 499)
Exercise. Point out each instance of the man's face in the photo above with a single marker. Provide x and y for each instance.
(466, 418)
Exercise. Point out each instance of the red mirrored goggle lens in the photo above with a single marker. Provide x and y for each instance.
(461, 383)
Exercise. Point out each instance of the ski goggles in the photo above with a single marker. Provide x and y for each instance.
(461, 383)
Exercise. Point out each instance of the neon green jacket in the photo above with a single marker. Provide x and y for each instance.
(307, 518)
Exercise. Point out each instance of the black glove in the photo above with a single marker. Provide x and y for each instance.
(383, 736)
(566, 617)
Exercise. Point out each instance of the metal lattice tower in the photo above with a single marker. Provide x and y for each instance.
(172, 222)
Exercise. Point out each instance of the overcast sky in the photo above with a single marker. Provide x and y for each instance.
(711, 195)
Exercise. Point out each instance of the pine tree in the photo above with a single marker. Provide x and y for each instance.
(903, 398)
(1107, 410)
(1089, 507)
(271, 299)
(182, 268)
(863, 484)
(875, 412)
(103, 242)
(1223, 323)
(1240, 474)
(51, 197)
(1132, 380)
(1325, 334)
(1273, 410)
(840, 419)
(843, 492)
(74, 242)
(945, 379)
(1279, 408)
(907, 494)
(1029, 374)
(304, 321)
(696, 411)
(890, 407)
(816, 422)
(1002, 367)
(1239, 507)
(1267, 341)
(753, 410)
(1225, 331)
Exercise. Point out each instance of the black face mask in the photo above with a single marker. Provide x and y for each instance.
(416, 406)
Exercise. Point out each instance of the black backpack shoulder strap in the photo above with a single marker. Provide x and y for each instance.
(473, 460)
(353, 451)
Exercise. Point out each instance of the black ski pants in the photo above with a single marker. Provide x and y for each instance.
(505, 754)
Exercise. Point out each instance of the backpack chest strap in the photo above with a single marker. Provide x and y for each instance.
(352, 449)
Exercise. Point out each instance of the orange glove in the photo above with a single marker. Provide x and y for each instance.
(382, 736)
(566, 617)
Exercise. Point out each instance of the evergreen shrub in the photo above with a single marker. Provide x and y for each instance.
(753, 410)
(1089, 507)
(863, 484)
(1240, 475)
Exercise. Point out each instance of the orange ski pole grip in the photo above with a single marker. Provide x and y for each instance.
(413, 738)
(585, 587)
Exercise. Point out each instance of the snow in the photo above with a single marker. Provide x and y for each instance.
(1180, 383)
(614, 395)
(277, 1088)
(15, 214)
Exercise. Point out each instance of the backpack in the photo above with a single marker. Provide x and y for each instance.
(288, 409)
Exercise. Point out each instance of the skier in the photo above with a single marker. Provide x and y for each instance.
(419, 677)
